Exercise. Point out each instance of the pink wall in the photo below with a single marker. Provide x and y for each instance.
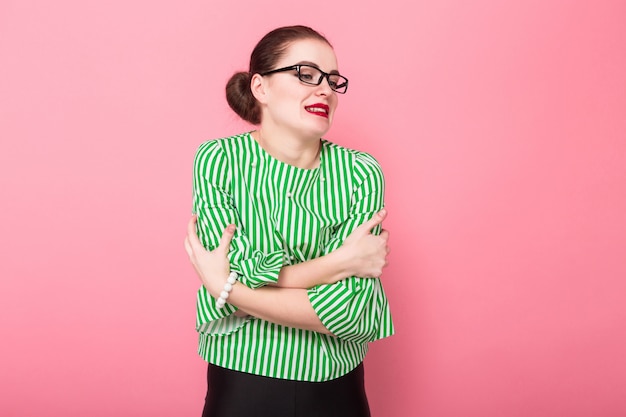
(500, 128)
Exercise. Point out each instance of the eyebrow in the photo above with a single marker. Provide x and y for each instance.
(313, 64)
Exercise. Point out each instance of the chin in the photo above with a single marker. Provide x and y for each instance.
(319, 133)
(321, 128)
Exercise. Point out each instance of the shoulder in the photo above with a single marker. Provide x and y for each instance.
(220, 145)
(362, 164)
(213, 158)
(220, 149)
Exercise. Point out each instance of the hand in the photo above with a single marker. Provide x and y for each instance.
(368, 252)
(213, 266)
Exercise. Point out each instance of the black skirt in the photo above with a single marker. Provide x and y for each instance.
(238, 394)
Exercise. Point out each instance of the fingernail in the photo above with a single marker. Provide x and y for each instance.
(382, 212)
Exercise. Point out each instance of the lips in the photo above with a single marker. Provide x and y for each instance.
(318, 109)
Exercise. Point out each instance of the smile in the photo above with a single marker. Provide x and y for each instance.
(318, 109)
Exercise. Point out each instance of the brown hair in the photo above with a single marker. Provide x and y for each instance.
(263, 58)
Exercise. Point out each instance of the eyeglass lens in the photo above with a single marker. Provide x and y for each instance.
(312, 75)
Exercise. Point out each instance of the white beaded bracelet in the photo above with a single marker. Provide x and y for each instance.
(228, 287)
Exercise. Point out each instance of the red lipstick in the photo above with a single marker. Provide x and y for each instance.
(318, 109)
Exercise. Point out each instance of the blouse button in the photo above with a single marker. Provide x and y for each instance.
(288, 194)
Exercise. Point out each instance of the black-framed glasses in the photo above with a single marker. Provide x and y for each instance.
(309, 74)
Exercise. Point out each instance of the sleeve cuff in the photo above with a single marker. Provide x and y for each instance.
(341, 308)
(260, 270)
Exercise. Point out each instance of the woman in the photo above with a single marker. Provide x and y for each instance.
(290, 298)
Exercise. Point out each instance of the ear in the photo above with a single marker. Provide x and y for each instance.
(258, 88)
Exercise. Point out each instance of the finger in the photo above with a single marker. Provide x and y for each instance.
(226, 238)
(192, 236)
(188, 248)
(385, 235)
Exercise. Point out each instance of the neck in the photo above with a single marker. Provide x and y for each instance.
(297, 151)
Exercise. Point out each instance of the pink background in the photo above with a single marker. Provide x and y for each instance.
(501, 129)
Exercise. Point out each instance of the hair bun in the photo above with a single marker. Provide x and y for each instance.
(240, 98)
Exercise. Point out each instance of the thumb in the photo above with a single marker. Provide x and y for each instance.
(226, 238)
(374, 221)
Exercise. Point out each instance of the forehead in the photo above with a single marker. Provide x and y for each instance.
(311, 50)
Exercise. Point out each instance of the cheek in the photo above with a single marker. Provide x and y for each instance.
(334, 104)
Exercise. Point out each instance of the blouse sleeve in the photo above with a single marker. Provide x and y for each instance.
(356, 309)
(213, 204)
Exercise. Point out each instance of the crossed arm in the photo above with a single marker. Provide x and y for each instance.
(286, 302)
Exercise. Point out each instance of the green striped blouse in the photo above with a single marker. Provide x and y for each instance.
(286, 215)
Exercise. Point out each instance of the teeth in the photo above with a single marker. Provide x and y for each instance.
(316, 109)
